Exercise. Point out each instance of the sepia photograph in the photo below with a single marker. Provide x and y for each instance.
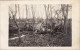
(41, 25)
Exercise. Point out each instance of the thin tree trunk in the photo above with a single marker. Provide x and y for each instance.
(14, 19)
(46, 12)
(26, 16)
(51, 17)
(33, 13)
(18, 24)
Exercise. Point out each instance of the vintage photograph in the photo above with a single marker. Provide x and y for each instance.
(40, 25)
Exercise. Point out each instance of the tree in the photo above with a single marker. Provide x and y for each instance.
(33, 14)
(26, 11)
(49, 12)
(26, 16)
(13, 14)
(65, 14)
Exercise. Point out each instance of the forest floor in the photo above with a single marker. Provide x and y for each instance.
(35, 39)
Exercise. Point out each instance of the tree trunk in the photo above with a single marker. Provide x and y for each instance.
(33, 13)
(65, 14)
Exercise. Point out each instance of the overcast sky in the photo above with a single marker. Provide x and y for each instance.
(39, 11)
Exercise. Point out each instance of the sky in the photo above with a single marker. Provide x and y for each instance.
(38, 9)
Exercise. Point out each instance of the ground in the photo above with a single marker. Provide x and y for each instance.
(30, 38)
(33, 39)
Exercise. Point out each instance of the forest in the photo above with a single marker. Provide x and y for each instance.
(43, 25)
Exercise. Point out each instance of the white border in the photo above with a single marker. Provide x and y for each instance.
(4, 24)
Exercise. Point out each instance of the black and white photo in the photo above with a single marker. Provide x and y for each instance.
(44, 25)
